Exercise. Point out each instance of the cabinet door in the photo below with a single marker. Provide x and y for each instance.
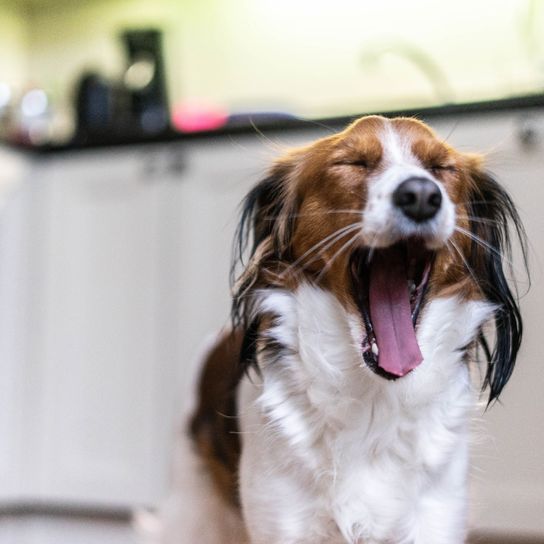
(16, 281)
(98, 355)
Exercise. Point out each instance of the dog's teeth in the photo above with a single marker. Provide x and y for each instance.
(375, 349)
(412, 286)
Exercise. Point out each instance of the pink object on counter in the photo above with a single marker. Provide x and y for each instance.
(195, 117)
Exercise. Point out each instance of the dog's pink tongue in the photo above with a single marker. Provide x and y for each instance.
(390, 313)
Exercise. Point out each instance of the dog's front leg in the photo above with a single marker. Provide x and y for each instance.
(281, 502)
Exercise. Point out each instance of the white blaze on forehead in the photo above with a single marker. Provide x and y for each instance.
(398, 163)
(397, 149)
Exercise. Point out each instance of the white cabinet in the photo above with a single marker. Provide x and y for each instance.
(95, 360)
(99, 347)
(15, 323)
(89, 343)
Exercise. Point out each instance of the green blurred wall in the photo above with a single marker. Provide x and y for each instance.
(300, 55)
(13, 43)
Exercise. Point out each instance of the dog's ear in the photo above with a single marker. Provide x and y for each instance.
(493, 218)
(264, 232)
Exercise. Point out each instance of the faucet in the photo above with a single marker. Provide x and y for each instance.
(420, 59)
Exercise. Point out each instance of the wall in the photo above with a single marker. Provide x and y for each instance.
(13, 43)
(300, 56)
(307, 55)
(69, 38)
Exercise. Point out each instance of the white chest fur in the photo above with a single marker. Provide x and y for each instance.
(334, 453)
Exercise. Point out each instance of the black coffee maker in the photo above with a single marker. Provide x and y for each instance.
(133, 107)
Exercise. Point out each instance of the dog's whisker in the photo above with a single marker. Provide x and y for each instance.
(329, 245)
(467, 266)
(483, 244)
(318, 214)
(337, 254)
(358, 212)
(323, 244)
(479, 219)
(372, 249)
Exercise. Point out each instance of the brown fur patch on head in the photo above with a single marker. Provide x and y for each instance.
(332, 191)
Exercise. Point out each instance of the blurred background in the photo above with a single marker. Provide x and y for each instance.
(120, 66)
(129, 132)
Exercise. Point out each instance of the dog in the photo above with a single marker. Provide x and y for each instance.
(337, 409)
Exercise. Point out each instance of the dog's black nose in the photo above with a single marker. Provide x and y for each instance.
(418, 198)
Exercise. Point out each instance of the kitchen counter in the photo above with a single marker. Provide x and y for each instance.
(253, 124)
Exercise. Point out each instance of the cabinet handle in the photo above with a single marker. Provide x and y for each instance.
(161, 163)
(529, 133)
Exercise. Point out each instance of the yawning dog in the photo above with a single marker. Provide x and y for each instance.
(337, 408)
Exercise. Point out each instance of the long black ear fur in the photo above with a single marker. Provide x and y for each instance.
(264, 232)
(492, 215)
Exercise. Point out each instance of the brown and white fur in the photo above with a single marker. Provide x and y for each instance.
(302, 437)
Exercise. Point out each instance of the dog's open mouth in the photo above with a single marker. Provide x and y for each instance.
(390, 286)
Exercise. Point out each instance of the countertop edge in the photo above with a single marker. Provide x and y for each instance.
(269, 127)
